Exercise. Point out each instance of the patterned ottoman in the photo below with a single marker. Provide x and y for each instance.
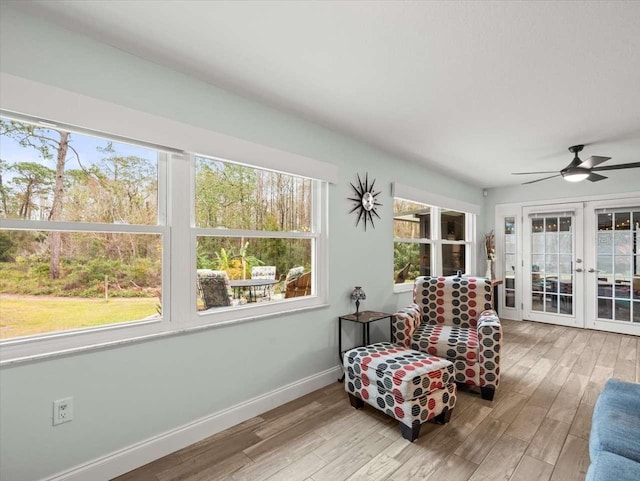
(410, 386)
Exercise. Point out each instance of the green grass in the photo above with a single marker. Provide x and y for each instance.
(29, 315)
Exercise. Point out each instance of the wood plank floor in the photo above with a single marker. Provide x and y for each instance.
(537, 427)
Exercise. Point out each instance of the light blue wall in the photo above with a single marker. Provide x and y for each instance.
(162, 384)
(556, 190)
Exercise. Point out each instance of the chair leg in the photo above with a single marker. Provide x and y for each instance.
(444, 417)
(410, 433)
(487, 393)
(356, 402)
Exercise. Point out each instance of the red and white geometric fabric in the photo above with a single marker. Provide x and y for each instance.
(446, 341)
(451, 317)
(452, 301)
(403, 323)
(408, 385)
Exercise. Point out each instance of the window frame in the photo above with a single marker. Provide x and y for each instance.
(317, 236)
(176, 175)
(55, 342)
(437, 241)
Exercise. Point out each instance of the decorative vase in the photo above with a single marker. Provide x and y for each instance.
(489, 274)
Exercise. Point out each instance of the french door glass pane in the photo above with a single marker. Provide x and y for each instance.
(510, 256)
(623, 310)
(566, 305)
(605, 243)
(551, 243)
(565, 224)
(564, 265)
(604, 308)
(622, 242)
(605, 222)
(566, 243)
(552, 264)
(618, 267)
(536, 302)
(623, 268)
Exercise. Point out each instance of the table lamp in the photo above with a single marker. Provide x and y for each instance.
(357, 295)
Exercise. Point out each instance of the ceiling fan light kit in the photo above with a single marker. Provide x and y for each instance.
(575, 175)
(579, 170)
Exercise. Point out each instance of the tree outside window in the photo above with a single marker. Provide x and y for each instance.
(72, 252)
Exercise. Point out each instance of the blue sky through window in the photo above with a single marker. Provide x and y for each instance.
(87, 147)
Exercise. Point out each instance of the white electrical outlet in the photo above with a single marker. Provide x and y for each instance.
(62, 411)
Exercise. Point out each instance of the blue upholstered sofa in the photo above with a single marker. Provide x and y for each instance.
(614, 444)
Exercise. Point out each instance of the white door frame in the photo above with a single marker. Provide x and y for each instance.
(591, 274)
(576, 319)
(516, 209)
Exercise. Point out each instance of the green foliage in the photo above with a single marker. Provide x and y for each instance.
(120, 188)
(404, 253)
(238, 265)
(6, 247)
(141, 278)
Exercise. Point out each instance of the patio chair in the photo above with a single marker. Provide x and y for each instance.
(298, 285)
(214, 288)
(264, 272)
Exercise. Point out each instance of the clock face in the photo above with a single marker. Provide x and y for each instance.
(365, 201)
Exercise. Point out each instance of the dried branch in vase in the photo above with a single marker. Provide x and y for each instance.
(490, 246)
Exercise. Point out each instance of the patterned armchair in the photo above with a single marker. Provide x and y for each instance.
(214, 288)
(453, 318)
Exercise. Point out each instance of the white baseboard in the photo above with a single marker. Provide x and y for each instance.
(139, 454)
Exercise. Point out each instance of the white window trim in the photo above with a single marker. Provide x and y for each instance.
(86, 114)
(179, 288)
(436, 241)
(319, 285)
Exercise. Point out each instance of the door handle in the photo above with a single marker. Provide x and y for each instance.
(579, 269)
(592, 270)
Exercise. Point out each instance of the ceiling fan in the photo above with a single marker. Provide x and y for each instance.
(579, 170)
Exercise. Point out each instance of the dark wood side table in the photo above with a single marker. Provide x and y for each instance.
(495, 283)
(365, 318)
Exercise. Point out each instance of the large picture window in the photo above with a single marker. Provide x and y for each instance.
(81, 241)
(96, 234)
(256, 234)
(122, 237)
(429, 240)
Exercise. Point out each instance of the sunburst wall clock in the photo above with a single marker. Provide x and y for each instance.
(366, 202)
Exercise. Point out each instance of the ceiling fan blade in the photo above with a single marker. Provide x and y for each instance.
(543, 172)
(596, 177)
(593, 161)
(632, 165)
(540, 180)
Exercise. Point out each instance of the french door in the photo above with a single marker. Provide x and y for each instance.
(553, 265)
(613, 273)
(581, 264)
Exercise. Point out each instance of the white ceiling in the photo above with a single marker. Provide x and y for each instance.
(477, 89)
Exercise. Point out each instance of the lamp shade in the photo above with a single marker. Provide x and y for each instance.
(358, 294)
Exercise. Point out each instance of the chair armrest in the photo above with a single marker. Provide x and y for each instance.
(489, 346)
(403, 323)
